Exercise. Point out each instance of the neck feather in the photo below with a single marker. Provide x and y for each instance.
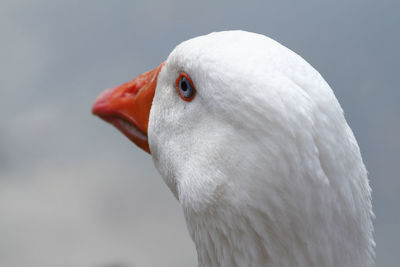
(251, 237)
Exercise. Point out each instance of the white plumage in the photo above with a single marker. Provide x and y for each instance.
(261, 159)
(266, 169)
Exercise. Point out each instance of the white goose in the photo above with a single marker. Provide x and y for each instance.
(253, 143)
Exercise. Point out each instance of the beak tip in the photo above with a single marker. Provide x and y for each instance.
(97, 108)
(101, 102)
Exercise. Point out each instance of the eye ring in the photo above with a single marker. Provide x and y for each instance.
(185, 87)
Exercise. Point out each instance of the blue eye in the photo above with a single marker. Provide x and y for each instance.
(185, 87)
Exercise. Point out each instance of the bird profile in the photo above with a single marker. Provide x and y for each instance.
(253, 143)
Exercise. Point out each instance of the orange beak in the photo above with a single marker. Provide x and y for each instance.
(128, 106)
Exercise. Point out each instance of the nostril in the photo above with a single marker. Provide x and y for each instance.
(132, 89)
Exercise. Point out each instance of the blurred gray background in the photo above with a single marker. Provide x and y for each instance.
(76, 192)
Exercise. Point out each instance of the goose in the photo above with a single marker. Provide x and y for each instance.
(254, 145)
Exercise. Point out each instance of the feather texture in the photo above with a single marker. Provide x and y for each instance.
(266, 169)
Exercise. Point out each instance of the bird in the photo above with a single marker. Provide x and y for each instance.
(254, 145)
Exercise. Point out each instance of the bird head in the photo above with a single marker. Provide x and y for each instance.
(243, 128)
(219, 108)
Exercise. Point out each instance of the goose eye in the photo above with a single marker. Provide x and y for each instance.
(185, 87)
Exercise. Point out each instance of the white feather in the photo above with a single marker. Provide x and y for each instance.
(266, 169)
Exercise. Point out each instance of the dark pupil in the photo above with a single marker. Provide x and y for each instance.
(184, 85)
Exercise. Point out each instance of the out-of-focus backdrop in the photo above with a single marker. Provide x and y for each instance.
(75, 192)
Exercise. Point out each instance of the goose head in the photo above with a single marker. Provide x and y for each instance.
(252, 142)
